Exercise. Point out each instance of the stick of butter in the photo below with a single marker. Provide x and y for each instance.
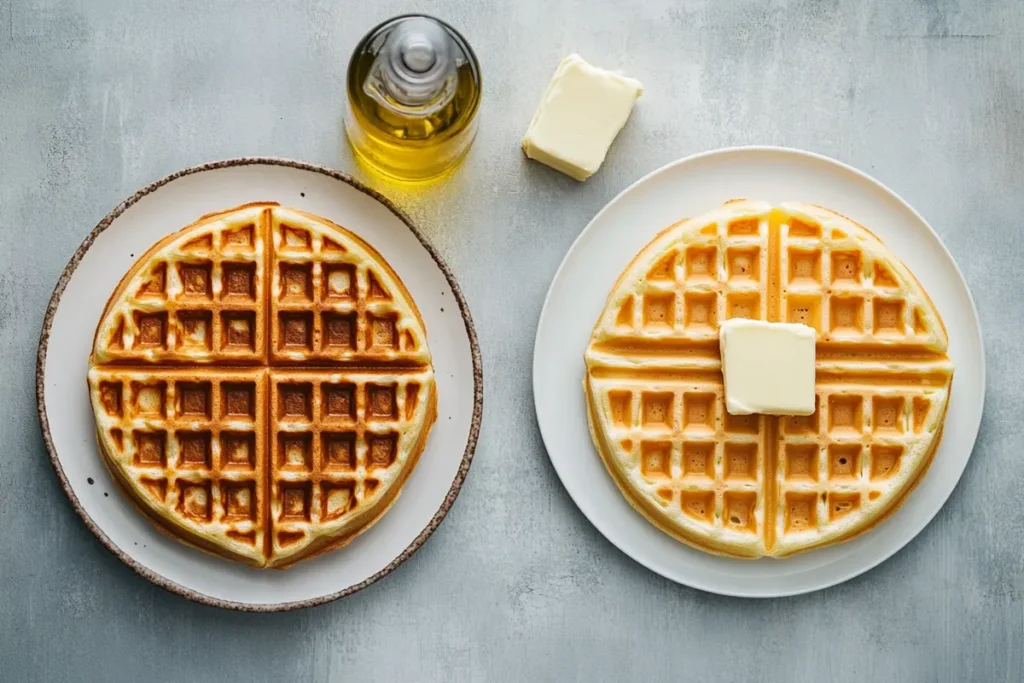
(580, 113)
(768, 367)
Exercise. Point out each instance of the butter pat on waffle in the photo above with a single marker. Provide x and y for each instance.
(762, 485)
(262, 385)
(767, 367)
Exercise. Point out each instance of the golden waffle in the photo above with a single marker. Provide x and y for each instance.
(332, 300)
(184, 444)
(756, 485)
(262, 385)
(342, 445)
(197, 296)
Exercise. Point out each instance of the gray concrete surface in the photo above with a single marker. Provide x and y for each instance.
(99, 98)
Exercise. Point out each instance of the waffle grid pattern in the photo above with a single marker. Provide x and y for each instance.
(876, 423)
(229, 438)
(694, 455)
(191, 445)
(841, 290)
(721, 274)
(334, 442)
(201, 303)
(328, 305)
(844, 455)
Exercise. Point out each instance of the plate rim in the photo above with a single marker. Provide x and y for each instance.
(152, 575)
(841, 577)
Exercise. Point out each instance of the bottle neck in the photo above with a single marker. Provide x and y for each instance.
(414, 73)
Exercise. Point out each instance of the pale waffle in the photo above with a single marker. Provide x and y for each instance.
(262, 385)
(760, 485)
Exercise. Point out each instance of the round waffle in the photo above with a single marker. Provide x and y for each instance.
(262, 385)
(759, 485)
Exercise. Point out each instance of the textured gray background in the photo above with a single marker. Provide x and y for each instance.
(99, 98)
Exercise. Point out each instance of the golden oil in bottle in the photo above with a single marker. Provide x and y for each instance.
(413, 92)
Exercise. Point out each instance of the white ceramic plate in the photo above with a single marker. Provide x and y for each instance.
(604, 248)
(69, 430)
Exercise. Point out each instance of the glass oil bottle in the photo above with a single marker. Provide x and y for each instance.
(413, 91)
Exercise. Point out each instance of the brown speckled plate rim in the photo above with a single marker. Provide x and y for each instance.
(478, 391)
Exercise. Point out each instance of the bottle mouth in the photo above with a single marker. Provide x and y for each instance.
(415, 69)
(417, 54)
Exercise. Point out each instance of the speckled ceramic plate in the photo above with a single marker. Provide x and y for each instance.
(577, 296)
(66, 417)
